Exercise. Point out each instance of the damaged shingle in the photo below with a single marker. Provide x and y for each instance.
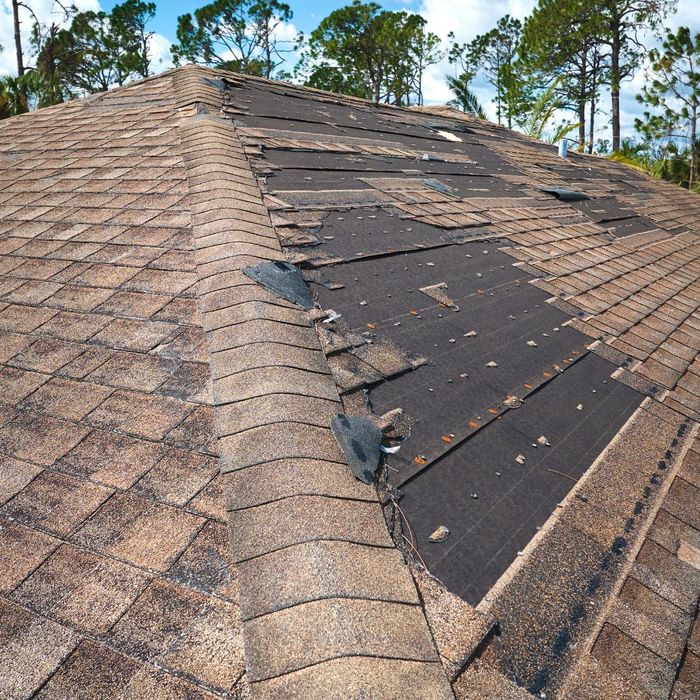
(388, 358)
(565, 194)
(283, 279)
(360, 441)
(437, 292)
(350, 372)
(438, 186)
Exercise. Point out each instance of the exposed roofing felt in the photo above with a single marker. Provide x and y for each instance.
(529, 354)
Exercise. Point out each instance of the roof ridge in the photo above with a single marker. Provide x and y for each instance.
(321, 580)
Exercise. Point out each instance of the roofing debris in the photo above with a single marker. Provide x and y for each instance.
(360, 440)
(284, 279)
(440, 534)
(438, 293)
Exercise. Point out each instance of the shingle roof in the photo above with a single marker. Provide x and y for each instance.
(486, 294)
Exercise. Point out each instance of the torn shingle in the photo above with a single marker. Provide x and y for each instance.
(360, 441)
(565, 194)
(438, 293)
(282, 279)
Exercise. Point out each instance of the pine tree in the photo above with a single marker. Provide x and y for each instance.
(673, 89)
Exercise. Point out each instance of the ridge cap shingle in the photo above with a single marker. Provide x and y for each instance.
(339, 626)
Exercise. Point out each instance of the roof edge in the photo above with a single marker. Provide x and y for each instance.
(585, 549)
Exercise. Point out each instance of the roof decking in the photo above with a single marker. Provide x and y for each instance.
(151, 392)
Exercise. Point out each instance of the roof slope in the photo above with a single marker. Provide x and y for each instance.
(151, 394)
(126, 219)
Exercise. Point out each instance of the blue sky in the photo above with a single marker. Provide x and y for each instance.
(466, 18)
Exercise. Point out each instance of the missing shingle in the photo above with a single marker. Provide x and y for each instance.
(565, 194)
(437, 292)
(283, 279)
(438, 186)
(360, 441)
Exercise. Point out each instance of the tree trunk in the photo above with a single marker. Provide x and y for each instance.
(582, 108)
(693, 148)
(18, 39)
(615, 89)
(591, 122)
(581, 123)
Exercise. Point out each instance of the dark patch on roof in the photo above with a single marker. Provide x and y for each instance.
(565, 194)
(283, 279)
(514, 498)
(360, 441)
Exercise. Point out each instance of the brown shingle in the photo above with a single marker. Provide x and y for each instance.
(141, 532)
(328, 629)
(644, 670)
(16, 384)
(184, 631)
(56, 503)
(99, 672)
(206, 564)
(72, 581)
(177, 477)
(22, 549)
(47, 355)
(128, 370)
(131, 334)
(16, 475)
(111, 459)
(32, 649)
(134, 304)
(40, 439)
(65, 398)
(297, 519)
(140, 414)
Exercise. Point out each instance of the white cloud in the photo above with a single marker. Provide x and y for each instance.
(159, 53)
(468, 18)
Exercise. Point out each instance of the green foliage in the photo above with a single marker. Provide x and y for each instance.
(465, 99)
(562, 43)
(542, 113)
(130, 21)
(13, 99)
(673, 90)
(623, 20)
(95, 52)
(368, 52)
(238, 35)
(663, 159)
(495, 54)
